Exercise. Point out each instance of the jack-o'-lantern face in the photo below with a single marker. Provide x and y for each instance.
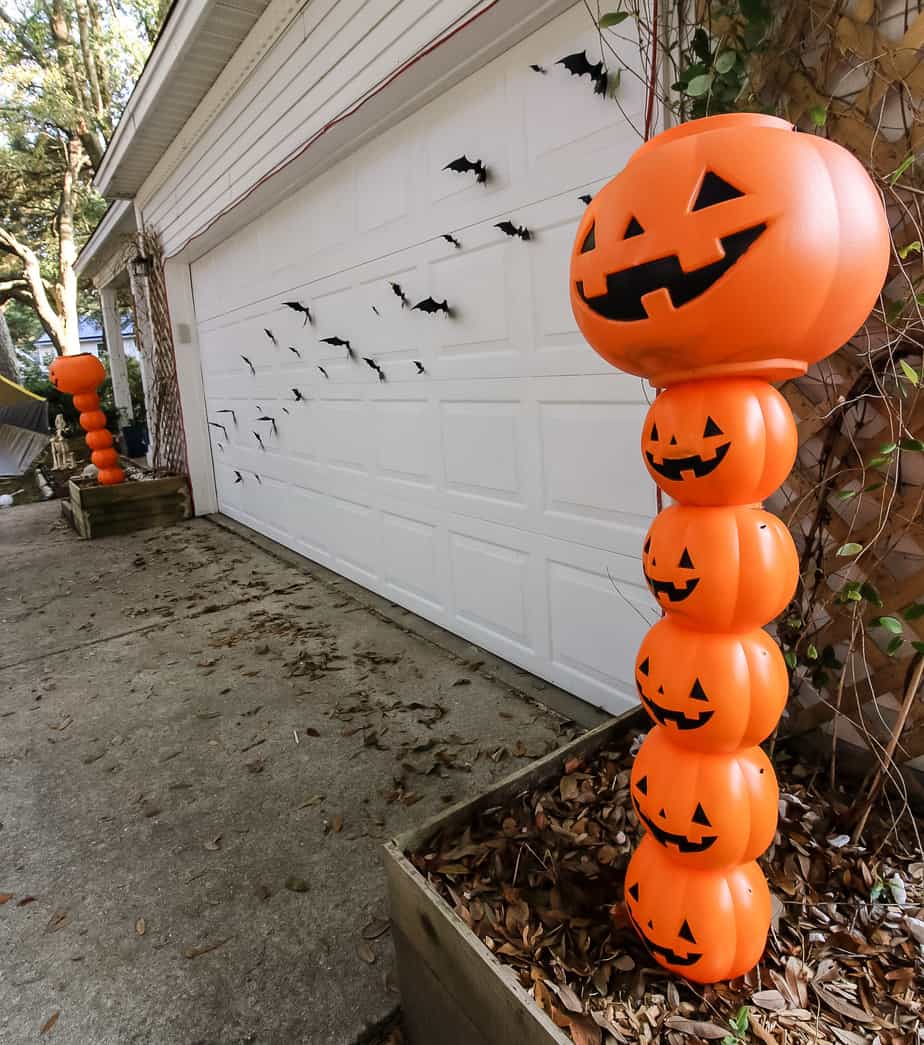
(703, 925)
(720, 569)
(711, 692)
(719, 442)
(729, 246)
(706, 810)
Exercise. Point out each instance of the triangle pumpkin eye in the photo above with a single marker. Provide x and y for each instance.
(685, 561)
(699, 817)
(642, 785)
(643, 667)
(633, 892)
(715, 190)
(711, 428)
(686, 933)
(633, 229)
(654, 433)
(697, 692)
(590, 240)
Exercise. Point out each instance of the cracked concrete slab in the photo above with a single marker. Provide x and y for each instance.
(202, 748)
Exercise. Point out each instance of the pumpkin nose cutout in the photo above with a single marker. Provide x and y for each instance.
(662, 814)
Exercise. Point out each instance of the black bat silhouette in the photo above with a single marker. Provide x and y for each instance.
(271, 336)
(463, 164)
(376, 311)
(324, 372)
(578, 65)
(431, 305)
(272, 421)
(419, 365)
(297, 306)
(221, 446)
(247, 361)
(295, 350)
(509, 229)
(228, 411)
(338, 342)
(375, 366)
(257, 477)
(259, 440)
(285, 409)
(452, 239)
(396, 287)
(238, 478)
(298, 396)
(585, 198)
(538, 69)
(216, 424)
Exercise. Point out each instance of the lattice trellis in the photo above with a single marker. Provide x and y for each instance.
(165, 420)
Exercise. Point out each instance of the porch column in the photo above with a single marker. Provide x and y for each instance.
(112, 327)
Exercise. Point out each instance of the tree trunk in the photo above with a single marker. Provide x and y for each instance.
(67, 250)
(8, 368)
(31, 288)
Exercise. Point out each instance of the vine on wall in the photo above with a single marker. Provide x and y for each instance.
(850, 70)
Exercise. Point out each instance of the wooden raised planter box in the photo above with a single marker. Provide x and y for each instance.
(103, 511)
(454, 991)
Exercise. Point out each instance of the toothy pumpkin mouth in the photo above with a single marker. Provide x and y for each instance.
(673, 592)
(625, 289)
(667, 953)
(684, 844)
(674, 467)
(665, 715)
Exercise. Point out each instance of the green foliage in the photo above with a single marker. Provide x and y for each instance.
(37, 381)
(740, 1025)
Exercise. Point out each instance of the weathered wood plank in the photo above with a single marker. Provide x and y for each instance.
(97, 496)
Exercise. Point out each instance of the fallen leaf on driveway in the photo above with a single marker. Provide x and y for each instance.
(197, 952)
(585, 1031)
(296, 885)
(57, 921)
(376, 928)
(25, 900)
(5, 898)
(366, 953)
(214, 845)
(336, 824)
(770, 1000)
(139, 927)
(49, 1023)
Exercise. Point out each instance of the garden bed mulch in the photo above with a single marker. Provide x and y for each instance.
(540, 882)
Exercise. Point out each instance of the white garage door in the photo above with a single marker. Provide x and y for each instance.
(496, 487)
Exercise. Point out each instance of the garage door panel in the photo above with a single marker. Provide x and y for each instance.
(498, 492)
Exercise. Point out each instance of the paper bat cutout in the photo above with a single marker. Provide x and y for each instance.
(396, 287)
(509, 229)
(463, 164)
(285, 409)
(538, 69)
(272, 421)
(585, 198)
(324, 372)
(452, 239)
(375, 366)
(431, 305)
(419, 365)
(376, 311)
(238, 478)
(259, 440)
(295, 350)
(257, 477)
(578, 65)
(297, 306)
(271, 336)
(247, 361)
(228, 411)
(221, 446)
(338, 342)
(216, 424)
(299, 398)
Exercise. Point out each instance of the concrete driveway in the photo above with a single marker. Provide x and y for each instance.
(202, 748)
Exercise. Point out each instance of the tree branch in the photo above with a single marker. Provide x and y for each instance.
(32, 277)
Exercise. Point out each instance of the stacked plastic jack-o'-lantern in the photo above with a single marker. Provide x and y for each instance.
(80, 375)
(729, 253)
